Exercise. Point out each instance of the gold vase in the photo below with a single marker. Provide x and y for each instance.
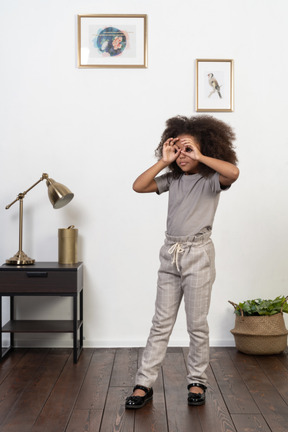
(67, 245)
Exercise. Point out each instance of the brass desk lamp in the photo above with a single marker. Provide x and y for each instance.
(59, 196)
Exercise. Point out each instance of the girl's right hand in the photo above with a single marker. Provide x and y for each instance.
(170, 150)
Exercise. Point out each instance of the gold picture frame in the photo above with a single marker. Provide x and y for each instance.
(214, 85)
(112, 41)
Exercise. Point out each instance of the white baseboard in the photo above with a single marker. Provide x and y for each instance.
(64, 343)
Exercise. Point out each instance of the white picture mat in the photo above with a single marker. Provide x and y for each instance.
(134, 53)
(206, 99)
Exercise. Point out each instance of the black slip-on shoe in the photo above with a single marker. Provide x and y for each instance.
(196, 399)
(135, 402)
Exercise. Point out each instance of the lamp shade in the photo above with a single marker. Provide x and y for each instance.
(59, 195)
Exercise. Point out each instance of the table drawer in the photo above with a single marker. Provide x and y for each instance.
(39, 281)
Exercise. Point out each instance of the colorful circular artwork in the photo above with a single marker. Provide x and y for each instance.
(111, 41)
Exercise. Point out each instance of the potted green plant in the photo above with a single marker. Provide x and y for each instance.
(260, 327)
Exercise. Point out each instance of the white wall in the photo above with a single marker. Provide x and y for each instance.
(96, 130)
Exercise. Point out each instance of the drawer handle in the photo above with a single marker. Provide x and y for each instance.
(37, 274)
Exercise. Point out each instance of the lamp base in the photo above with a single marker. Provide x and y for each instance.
(20, 258)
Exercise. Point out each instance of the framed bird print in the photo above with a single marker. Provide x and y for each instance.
(112, 41)
(214, 85)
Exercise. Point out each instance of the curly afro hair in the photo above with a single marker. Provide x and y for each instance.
(214, 136)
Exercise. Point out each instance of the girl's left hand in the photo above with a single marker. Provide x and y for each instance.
(190, 149)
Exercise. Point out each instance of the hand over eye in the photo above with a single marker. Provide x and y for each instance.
(191, 151)
(170, 150)
(176, 149)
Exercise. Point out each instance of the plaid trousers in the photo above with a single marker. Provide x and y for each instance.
(187, 268)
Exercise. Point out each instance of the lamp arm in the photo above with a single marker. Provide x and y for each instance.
(22, 195)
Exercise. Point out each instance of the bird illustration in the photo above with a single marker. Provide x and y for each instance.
(214, 84)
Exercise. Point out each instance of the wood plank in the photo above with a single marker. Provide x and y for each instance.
(270, 403)
(214, 414)
(17, 381)
(29, 405)
(152, 417)
(10, 361)
(85, 421)
(250, 423)
(179, 415)
(277, 374)
(57, 411)
(115, 417)
(283, 357)
(125, 367)
(95, 386)
(233, 389)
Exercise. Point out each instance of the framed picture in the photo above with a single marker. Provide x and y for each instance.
(214, 85)
(112, 41)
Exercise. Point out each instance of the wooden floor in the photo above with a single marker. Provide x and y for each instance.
(42, 390)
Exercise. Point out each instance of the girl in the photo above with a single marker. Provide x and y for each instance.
(201, 160)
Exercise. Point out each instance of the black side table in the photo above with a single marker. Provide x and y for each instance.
(43, 279)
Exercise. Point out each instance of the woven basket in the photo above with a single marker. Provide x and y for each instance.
(260, 335)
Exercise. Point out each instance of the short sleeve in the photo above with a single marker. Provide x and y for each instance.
(163, 182)
(216, 185)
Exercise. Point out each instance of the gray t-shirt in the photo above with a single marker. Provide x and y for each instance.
(193, 200)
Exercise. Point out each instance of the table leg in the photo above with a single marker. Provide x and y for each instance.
(5, 351)
(1, 326)
(75, 313)
(81, 319)
(11, 318)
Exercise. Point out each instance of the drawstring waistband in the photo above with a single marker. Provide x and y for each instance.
(178, 244)
(175, 249)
